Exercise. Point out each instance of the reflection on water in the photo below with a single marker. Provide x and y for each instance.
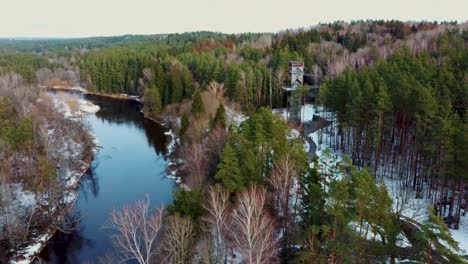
(88, 184)
(70, 241)
(129, 165)
(128, 112)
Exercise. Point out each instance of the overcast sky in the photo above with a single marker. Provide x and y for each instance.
(83, 18)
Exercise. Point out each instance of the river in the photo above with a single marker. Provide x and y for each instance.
(130, 165)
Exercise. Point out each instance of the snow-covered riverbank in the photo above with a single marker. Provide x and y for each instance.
(174, 163)
(70, 149)
(82, 90)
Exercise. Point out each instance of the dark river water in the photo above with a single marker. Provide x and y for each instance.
(130, 165)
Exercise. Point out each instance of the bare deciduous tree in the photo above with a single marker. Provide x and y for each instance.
(218, 220)
(217, 89)
(58, 77)
(180, 239)
(147, 74)
(282, 182)
(216, 141)
(253, 230)
(21, 96)
(136, 231)
(196, 164)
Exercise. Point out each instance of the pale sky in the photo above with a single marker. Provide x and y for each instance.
(84, 18)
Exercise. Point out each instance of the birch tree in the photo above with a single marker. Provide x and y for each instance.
(136, 229)
(218, 220)
(282, 182)
(253, 230)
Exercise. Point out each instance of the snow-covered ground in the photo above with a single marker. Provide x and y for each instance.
(132, 97)
(74, 88)
(88, 107)
(404, 200)
(17, 203)
(174, 141)
(461, 235)
(327, 157)
(173, 164)
(28, 253)
(233, 117)
(73, 107)
(23, 202)
(306, 113)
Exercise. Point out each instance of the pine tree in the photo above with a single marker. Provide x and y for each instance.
(433, 232)
(312, 196)
(188, 83)
(187, 203)
(384, 105)
(232, 82)
(152, 101)
(219, 118)
(197, 106)
(161, 82)
(184, 125)
(176, 86)
(229, 173)
(338, 208)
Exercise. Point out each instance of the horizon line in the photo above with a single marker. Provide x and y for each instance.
(30, 38)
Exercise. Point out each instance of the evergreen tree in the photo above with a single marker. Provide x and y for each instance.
(434, 231)
(152, 101)
(197, 105)
(313, 199)
(184, 125)
(219, 118)
(176, 86)
(229, 173)
(187, 203)
(338, 208)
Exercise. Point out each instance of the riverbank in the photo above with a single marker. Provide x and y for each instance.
(85, 91)
(70, 180)
(29, 253)
(175, 164)
(130, 166)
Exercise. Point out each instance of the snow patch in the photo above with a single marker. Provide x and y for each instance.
(72, 106)
(306, 113)
(32, 250)
(88, 107)
(461, 234)
(234, 117)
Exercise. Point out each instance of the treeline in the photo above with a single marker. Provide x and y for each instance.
(121, 70)
(24, 64)
(406, 118)
(66, 46)
(252, 67)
